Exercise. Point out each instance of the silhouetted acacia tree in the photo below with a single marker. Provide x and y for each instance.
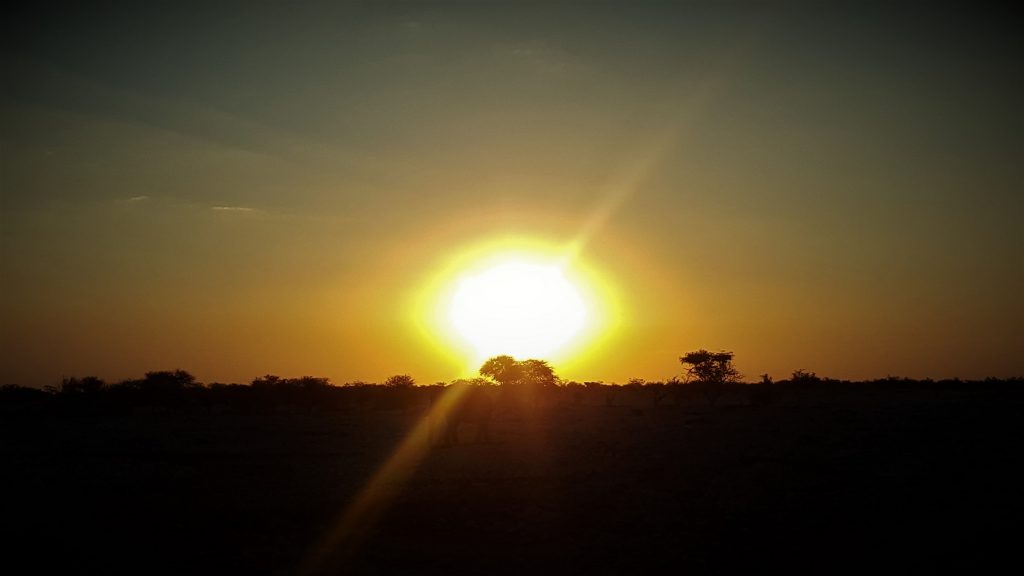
(400, 381)
(538, 374)
(711, 370)
(523, 380)
(505, 370)
(508, 371)
(710, 367)
(168, 381)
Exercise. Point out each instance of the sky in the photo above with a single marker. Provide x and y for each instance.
(238, 190)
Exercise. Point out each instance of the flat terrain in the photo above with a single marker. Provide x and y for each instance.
(840, 478)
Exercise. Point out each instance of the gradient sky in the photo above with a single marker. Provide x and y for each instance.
(240, 191)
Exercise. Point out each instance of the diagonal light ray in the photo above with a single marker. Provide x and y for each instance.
(687, 103)
(346, 534)
(635, 171)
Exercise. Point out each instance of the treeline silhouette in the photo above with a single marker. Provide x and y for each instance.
(179, 387)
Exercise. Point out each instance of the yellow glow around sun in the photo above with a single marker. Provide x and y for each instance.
(517, 297)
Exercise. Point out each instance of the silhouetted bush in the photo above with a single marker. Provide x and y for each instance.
(400, 381)
(12, 393)
(270, 381)
(163, 381)
(86, 385)
(803, 379)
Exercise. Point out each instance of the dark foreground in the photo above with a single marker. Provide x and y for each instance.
(845, 479)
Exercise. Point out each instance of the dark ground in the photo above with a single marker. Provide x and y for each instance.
(826, 480)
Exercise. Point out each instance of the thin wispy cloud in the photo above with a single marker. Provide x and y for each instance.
(131, 200)
(244, 209)
(193, 207)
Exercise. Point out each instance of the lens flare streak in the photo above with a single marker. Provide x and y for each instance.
(345, 536)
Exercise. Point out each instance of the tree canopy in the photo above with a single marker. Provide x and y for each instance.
(508, 371)
(400, 381)
(710, 367)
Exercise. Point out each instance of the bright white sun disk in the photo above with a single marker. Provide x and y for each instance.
(520, 308)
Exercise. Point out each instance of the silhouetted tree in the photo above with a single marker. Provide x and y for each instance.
(168, 381)
(86, 385)
(537, 374)
(505, 370)
(710, 370)
(265, 382)
(803, 378)
(400, 381)
(508, 371)
(710, 367)
(524, 381)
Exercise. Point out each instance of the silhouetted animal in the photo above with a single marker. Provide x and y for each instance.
(462, 405)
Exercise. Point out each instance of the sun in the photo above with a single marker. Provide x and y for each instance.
(517, 306)
(515, 295)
